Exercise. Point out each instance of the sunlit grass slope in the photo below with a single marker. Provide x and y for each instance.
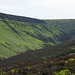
(66, 24)
(18, 37)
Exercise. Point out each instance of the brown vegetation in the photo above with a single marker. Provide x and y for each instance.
(44, 67)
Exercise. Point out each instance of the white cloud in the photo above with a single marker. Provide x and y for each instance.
(54, 3)
(10, 7)
(39, 8)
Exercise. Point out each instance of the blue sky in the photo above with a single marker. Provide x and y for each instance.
(41, 9)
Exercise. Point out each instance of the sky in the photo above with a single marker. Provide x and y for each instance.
(41, 9)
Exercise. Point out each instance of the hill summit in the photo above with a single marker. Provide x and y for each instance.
(20, 18)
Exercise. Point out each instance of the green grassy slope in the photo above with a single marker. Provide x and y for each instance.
(17, 37)
(66, 24)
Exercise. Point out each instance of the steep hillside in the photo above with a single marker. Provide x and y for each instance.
(19, 34)
(41, 54)
(18, 37)
(67, 25)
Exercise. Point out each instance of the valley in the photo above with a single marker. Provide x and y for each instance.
(30, 46)
(17, 36)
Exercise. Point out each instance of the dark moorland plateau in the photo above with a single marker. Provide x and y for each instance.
(59, 66)
(31, 46)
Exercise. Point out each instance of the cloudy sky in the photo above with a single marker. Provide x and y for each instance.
(42, 9)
